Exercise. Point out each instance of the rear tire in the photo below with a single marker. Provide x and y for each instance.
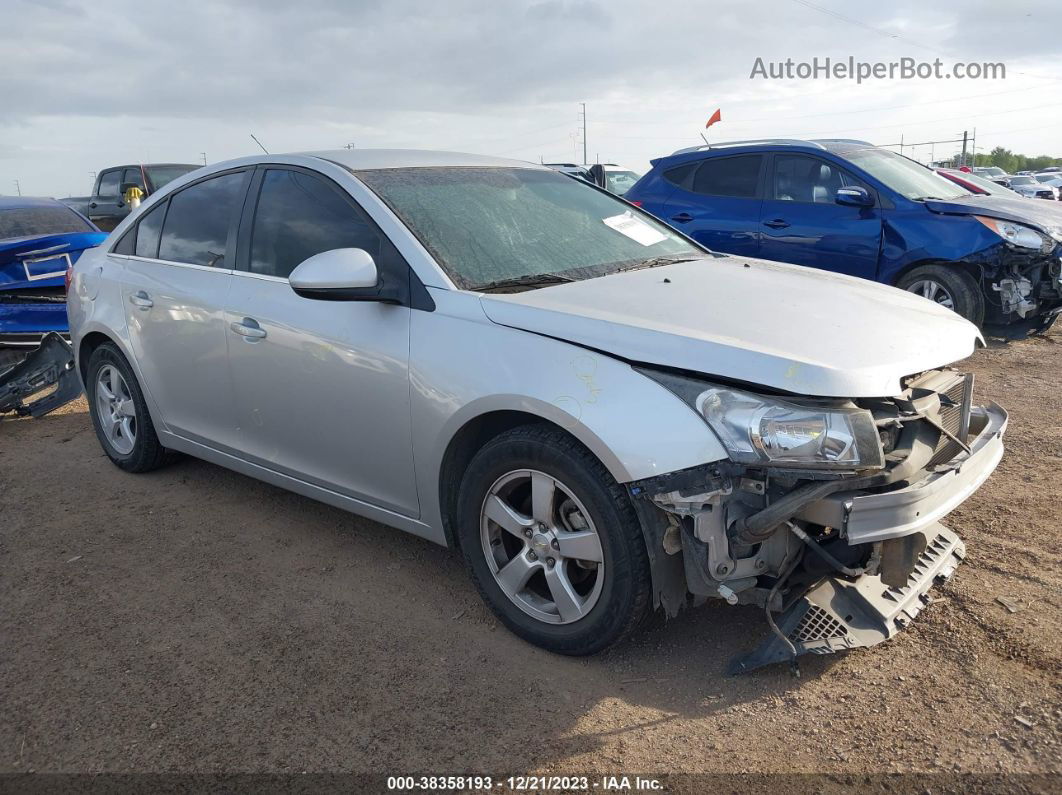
(948, 286)
(582, 578)
(119, 413)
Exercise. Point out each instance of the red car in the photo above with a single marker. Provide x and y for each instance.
(974, 183)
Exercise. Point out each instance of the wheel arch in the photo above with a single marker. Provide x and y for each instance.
(971, 269)
(476, 431)
(87, 346)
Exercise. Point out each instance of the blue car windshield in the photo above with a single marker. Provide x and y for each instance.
(906, 177)
(487, 225)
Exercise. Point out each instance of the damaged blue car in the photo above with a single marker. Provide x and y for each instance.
(39, 240)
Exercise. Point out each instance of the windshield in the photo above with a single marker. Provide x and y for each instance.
(904, 176)
(39, 221)
(1022, 181)
(619, 182)
(485, 225)
(162, 175)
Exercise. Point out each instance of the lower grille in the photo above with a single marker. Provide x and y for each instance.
(817, 624)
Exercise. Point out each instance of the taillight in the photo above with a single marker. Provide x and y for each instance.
(636, 204)
(66, 279)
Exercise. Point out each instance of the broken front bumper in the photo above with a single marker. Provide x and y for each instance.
(867, 517)
(838, 614)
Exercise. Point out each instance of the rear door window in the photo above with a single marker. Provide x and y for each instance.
(737, 177)
(200, 219)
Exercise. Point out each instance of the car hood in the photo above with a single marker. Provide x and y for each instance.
(786, 327)
(1010, 208)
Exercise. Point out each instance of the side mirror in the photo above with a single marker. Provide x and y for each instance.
(342, 274)
(854, 197)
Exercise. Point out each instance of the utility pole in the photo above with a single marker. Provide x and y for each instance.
(584, 131)
(18, 188)
(963, 158)
(901, 143)
(975, 146)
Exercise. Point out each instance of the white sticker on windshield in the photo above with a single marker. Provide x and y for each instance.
(635, 228)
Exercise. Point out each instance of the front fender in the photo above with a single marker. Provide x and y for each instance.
(462, 367)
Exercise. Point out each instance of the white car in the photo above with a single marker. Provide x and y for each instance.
(1032, 188)
(603, 416)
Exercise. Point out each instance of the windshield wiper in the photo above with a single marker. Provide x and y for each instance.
(527, 280)
(665, 259)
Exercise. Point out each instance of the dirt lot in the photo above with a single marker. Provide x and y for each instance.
(196, 620)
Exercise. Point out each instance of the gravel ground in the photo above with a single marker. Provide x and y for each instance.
(195, 620)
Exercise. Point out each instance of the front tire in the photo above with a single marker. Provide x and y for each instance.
(119, 413)
(552, 542)
(949, 287)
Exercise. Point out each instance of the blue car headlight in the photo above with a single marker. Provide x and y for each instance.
(1018, 234)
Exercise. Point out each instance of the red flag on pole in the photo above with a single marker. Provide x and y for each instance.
(717, 116)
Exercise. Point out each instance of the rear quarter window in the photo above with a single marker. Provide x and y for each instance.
(681, 176)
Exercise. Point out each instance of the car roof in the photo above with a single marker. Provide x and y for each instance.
(839, 146)
(17, 202)
(368, 159)
(152, 165)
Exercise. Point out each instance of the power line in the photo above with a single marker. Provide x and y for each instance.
(892, 35)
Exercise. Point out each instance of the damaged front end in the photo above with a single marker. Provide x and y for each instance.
(839, 557)
(1021, 284)
(42, 382)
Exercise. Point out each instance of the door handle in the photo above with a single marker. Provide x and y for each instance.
(92, 205)
(141, 300)
(777, 223)
(682, 218)
(121, 204)
(248, 328)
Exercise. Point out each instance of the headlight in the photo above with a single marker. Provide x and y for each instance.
(770, 432)
(1018, 234)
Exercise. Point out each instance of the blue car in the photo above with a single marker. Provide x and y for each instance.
(853, 208)
(39, 240)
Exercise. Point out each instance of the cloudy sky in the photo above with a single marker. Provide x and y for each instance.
(89, 84)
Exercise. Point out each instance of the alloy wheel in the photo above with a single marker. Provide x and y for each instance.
(542, 546)
(934, 291)
(115, 409)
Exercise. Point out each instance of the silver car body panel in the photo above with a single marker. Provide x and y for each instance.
(556, 353)
(180, 344)
(325, 395)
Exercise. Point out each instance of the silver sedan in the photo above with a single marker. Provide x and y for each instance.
(601, 414)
